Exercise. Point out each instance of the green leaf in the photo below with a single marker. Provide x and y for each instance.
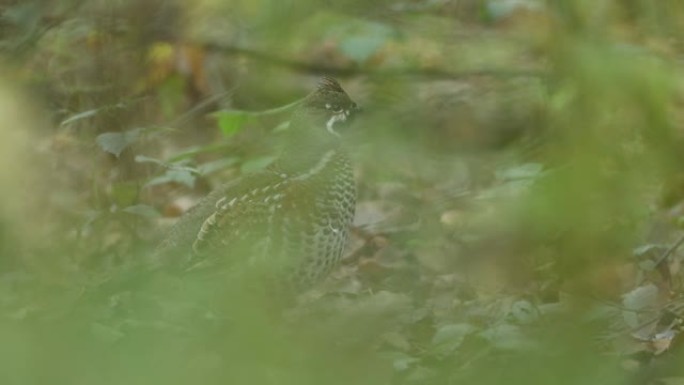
(79, 116)
(144, 211)
(147, 159)
(193, 151)
(524, 311)
(183, 176)
(176, 165)
(115, 142)
(523, 171)
(507, 337)
(647, 265)
(171, 95)
(449, 337)
(256, 164)
(282, 126)
(220, 164)
(402, 361)
(638, 300)
(124, 193)
(91, 113)
(232, 121)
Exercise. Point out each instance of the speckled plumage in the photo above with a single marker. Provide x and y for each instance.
(291, 219)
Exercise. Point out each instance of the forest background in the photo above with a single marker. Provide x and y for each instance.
(520, 171)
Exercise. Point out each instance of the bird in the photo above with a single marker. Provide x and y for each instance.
(290, 220)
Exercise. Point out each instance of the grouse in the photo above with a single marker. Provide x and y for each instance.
(292, 219)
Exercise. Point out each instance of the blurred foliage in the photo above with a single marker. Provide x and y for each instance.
(519, 163)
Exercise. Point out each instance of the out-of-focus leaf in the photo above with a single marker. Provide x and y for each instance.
(220, 164)
(79, 116)
(647, 265)
(183, 176)
(650, 250)
(449, 337)
(115, 142)
(90, 113)
(142, 210)
(147, 159)
(515, 181)
(662, 342)
(282, 126)
(176, 172)
(232, 121)
(524, 171)
(402, 361)
(421, 375)
(397, 340)
(524, 311)
(680, 222)
(171, 94)
(124, 193)
(507, 337)
(25, 15)
(638, 299)
(191, 152)
(257, 164)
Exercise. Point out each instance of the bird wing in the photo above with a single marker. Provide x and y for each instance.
(195, 229)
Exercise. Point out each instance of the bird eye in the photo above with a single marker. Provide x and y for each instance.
(335, 108)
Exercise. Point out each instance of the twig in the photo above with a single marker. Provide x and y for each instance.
(199, 108)
(302, 66)
(669, 251)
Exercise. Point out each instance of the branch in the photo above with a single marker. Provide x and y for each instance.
(347, 71)
(669, 251)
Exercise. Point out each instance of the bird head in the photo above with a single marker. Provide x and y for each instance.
(328, 107)
(315, 127)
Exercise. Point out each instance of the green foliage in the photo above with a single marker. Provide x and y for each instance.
(231, 122)
(519, 170)
(115, 142)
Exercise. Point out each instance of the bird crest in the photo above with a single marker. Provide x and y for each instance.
(329, 84)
